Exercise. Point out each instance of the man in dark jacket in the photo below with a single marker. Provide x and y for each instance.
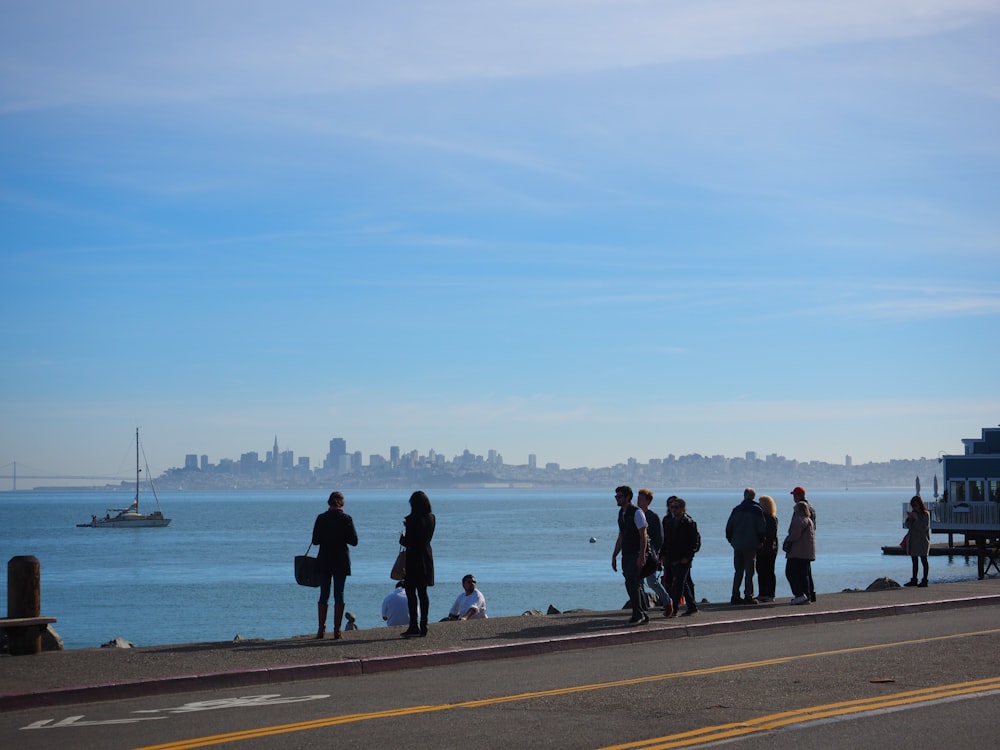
(681, 541)
(745, 530)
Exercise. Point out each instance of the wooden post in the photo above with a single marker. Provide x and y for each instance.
(24, 599)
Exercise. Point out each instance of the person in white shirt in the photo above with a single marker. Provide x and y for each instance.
(394, 608)
(471, 604)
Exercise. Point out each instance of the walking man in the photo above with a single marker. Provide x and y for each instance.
(655, 541)
(631, 542)
(745, 531)
(681, 541)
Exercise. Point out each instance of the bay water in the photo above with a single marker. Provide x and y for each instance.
(224, 565)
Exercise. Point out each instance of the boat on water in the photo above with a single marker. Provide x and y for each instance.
(130, 517)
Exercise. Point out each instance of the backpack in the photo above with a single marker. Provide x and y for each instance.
(697, 536)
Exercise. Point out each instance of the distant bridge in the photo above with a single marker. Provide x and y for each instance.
(14, 475)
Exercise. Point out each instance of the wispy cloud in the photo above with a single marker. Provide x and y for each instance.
(189, 50)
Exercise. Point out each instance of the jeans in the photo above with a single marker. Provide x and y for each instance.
(797, 573)
(338, 581)
(416, 595)
(680, 573)
(744, 562)
(632, 583)
(653, 581)
(766, 580)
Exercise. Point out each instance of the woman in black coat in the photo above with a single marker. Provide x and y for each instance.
(419, 560)
(333, 531)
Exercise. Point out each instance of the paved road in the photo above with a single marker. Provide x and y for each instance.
(923, 680)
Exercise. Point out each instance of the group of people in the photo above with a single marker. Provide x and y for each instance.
(648, 546)
(752, 532)
(655, 553)
(333, 532)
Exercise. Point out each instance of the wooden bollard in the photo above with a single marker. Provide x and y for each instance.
(24, 599)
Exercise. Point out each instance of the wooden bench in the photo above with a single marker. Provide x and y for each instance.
(24, 634)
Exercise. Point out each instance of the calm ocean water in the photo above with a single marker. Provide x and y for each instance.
(224, 565)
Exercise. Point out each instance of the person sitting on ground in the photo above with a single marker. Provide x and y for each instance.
(471, 604)
(394, 608)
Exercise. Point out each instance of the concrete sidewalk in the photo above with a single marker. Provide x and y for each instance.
(82, 675)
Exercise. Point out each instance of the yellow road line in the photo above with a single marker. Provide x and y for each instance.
(396, 712)
(705, 735)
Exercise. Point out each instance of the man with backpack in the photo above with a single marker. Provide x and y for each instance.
(681, 541)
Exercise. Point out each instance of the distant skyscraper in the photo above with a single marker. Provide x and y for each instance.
(847, 461)
(394, 456)
(276, 458)
(338, 448)
(532, 461)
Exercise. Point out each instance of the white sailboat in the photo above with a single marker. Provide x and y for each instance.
(130, 517)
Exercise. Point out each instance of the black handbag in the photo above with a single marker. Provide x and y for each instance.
(307, 570)
(650, 565)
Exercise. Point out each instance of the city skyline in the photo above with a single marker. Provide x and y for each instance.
(321, 467)
(577, 230)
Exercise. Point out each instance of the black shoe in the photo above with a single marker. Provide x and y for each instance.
(689, 612)
(735, 600)
(812, 597)
(637, 620)
(750, 600)
(911, 582)
(922, 584)
(423, 630)
(410, 633)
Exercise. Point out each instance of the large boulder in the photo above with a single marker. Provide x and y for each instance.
(51, 640)
(882, 584)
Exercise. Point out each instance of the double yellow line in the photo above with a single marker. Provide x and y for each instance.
(697, 736)
(705, 735)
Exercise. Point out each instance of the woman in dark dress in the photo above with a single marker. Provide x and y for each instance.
(419, 560)
(333, 531)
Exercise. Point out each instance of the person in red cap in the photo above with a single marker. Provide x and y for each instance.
(799, 495)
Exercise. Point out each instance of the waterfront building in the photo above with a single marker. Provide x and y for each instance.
(970, 504)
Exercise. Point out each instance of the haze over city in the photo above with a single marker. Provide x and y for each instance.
(585, 231)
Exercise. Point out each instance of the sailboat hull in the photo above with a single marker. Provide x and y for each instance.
(130, 521)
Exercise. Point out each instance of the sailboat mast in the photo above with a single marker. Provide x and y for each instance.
(136, 469)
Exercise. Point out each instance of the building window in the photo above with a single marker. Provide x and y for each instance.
(976, 490)
(956, 491)
(994, 487)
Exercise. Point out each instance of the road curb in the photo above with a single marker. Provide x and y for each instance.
(657, 631)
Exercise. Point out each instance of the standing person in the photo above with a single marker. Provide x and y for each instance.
(395, 610)
(768, 552)
(333, 531)
(631, 542)
(800, 550)
(918, 538)
(681, 541)
(416, 538)
(745, 531)
(655, 541)
(470, 604)
(799, 495)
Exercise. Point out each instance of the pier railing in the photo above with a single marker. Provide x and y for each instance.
(959, 517)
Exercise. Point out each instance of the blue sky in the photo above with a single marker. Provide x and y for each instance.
(589, 230)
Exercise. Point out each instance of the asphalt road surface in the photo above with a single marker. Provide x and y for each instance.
(927, 680)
